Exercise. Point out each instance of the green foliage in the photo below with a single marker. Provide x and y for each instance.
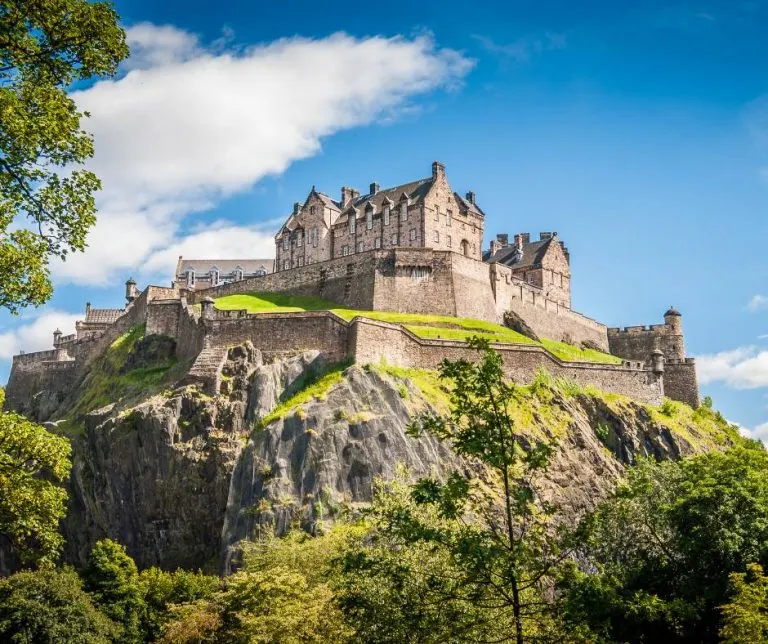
(34, 466)
(163, 590)
(707, 402)
(425, 326)
(665, 544)
(315, 384)
(49, 607)
(112, 377)
(667, 407)
(45, 47)
(745, 616)
(113, 581)
(282, 595)
(500, 539)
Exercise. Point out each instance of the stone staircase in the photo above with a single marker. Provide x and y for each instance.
(206, 369)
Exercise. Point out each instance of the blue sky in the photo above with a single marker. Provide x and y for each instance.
(637, 130)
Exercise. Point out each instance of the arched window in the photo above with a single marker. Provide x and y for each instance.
(465, 247)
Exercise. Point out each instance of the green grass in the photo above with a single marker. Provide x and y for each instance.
(105, 383)
(425, 326)
(316, 385)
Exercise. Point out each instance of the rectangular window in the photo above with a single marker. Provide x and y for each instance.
(437, 237)
(352, 224)
(286, 242)
(312, 210)
(369, 219)
(404, 212)
(360, 247)
(377, 243)
(448, 241)
(345, 250)
(412, 234)
(299, 238)
(286, 265)
(301, 261)
(449, 218)
(437, 213)
(394, 239)
(314, 237)
(386, 215)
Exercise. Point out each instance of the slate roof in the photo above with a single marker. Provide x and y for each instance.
(415, 190)
(533, 253)
(103, 316)
(468, 205)
(225, 266)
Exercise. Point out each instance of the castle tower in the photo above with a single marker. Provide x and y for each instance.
(56, 337)
(131, 292)
(674, 344)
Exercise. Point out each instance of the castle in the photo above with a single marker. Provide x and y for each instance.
(414, 248)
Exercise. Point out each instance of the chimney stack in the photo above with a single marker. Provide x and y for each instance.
(347, 195)
(296, 207)
(375, 187)
(503, 239)
(526, 237)
(438, 170)
(471, 197)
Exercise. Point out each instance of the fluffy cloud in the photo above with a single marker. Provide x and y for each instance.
(523, 49)
(741, 368)
(38, 335)
(188, 125)
(758, 303)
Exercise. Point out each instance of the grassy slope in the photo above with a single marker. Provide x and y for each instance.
(424, 326)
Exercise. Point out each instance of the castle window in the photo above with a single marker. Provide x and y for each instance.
(386, 215)
(437, 237)
(345, 250)
(352, 223)
(214, 276)
(420, 272)
(412, 234)
(448, 218)
(404, 211)
(191, 277)
(448, 241)
(314, 237)
(312, 210)
(261, 272)
(377, 243)
(369, 219)
(360, 247)
(286, 265)
(437, 213)
(394, 239)
(286, 242)
(238, 274)
(299, 237)
(301, 261)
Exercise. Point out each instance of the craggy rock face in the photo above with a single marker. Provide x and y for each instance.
(180, 476)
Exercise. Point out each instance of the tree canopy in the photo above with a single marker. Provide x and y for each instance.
(47, 200)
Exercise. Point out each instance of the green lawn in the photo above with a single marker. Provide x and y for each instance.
(425, 326)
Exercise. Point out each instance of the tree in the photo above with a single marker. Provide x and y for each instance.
(112, 580)
(659, 553)
(50, 606)
(745, 616)
(34, 466)
(46, 206)
(485, 542)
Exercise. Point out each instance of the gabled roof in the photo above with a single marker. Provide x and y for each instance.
(103, 316)
(415, 191)
(202, 266)
(465, 204)
(333, 205)
(533, 253)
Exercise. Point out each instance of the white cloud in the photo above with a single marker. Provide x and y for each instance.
(37, 336)
(758, 433)
(741, 368)
(758, 303)
(187, 125)
(523, 49)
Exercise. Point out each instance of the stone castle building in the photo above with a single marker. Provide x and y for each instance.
(414, 248)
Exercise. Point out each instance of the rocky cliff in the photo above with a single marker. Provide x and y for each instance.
(180, 476)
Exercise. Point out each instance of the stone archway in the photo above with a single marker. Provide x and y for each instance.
(465, 247)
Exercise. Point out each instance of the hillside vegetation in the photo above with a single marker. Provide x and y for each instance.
(443, 327)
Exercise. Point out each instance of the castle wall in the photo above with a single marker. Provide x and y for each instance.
(372, 342)
(680, 381)
(472, 291)
(638, 342)
(191, 333)
(546, 317)
(163, 318)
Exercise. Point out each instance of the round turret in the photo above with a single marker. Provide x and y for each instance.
(131, 292)
(674, 346)
(56, 337)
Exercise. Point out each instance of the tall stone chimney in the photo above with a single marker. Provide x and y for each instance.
(470, 196)
(438, 170)
(375, 187)
(347, 195)
(503, 239)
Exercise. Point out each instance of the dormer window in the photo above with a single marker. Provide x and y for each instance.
(404, 211)
(369, 218)
(299, 237)
(238, 274)
(191, 277)
(214, 276)
(386, 215)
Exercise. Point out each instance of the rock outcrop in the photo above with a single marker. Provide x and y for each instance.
(180, 476)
